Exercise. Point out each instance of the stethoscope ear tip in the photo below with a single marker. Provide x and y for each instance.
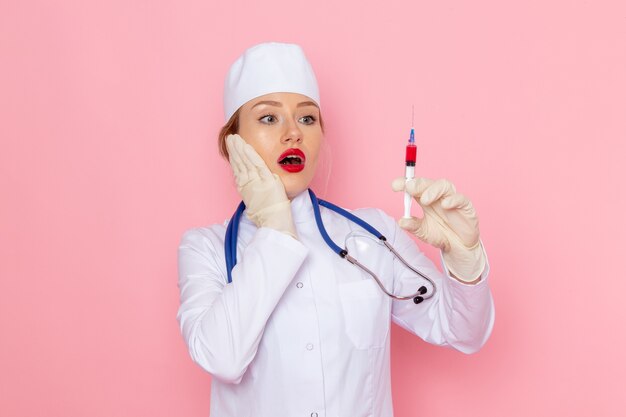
(418, 299)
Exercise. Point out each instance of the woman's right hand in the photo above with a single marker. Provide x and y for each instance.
(262, 192)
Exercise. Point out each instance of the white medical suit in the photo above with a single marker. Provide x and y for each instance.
(302, 332)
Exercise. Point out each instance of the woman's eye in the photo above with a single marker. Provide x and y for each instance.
(269, 118)
(309, 120)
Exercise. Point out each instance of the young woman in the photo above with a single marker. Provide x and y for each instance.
(293, 329)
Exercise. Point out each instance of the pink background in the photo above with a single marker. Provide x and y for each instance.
(109, 114)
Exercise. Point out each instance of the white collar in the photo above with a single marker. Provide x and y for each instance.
(302, 207)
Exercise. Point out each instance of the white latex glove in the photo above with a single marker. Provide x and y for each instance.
(262, 192)
(449, 223)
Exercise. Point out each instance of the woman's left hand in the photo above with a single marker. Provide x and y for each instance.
(449, 223)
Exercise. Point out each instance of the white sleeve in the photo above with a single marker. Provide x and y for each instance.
(458, 315)
(222, 324)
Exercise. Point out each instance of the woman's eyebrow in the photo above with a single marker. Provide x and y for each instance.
(279, 104)
(306, 103)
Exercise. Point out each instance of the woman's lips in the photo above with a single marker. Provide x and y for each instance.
(290, 166)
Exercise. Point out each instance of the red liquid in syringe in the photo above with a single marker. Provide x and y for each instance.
(411, 150)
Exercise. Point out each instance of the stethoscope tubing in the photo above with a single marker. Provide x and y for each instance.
(232, 230)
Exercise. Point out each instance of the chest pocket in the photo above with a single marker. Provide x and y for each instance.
(366, 313)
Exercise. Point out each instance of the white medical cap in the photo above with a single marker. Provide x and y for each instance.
(265, 68)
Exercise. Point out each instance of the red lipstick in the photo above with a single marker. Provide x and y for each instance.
(292, 160)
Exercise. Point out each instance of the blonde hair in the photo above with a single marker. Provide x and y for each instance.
(232, 127)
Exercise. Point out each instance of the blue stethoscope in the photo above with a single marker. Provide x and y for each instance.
(230, 246)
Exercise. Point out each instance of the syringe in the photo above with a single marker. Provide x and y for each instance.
(409, 171)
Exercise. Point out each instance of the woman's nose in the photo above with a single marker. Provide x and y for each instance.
(292, 134)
